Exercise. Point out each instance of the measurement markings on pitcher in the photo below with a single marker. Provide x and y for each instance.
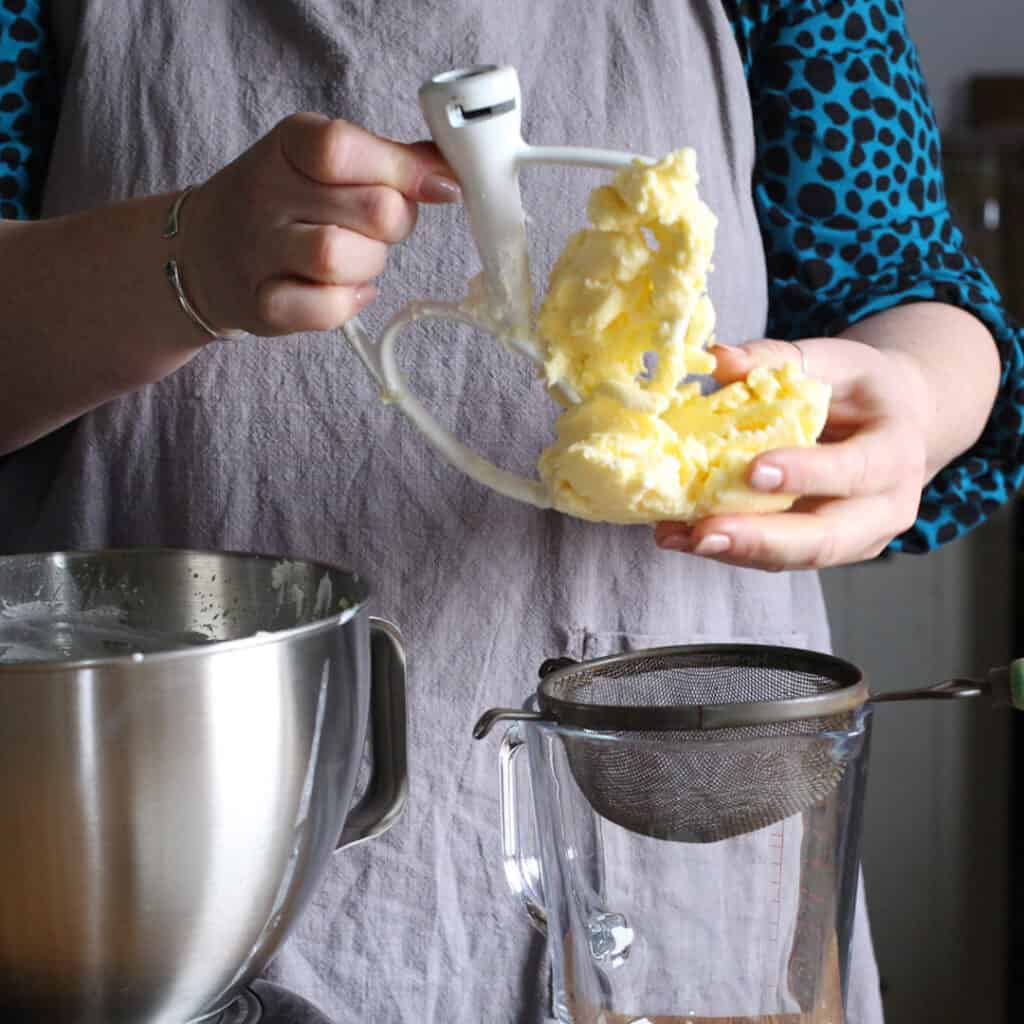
(776, 856)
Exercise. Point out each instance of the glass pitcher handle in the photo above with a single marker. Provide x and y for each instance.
(522, 865)
(609, 935)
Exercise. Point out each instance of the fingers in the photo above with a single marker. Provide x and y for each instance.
(279, 240)
(734, 362)
(338, 153)
(373, 210)
(834, 533)
(856, 492)
(869, 463)
(839, 362)
(331, 255)
(287, 305)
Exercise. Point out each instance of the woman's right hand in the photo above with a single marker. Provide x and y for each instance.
(288, 236)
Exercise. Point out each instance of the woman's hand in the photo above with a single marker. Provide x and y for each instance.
(283, 239)
(288, 236)
(861, 486)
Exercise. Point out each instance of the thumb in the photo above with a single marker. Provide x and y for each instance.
(338, 153)
(734, 362)
(839, 362)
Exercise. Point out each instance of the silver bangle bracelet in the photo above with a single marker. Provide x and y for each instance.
(173, 272)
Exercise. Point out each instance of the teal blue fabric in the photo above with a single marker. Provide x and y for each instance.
(26, 108)
(848, 188)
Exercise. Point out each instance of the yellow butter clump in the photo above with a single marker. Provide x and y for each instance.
(624, 323)
(634, 283)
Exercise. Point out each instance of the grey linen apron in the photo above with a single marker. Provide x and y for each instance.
(281, 446)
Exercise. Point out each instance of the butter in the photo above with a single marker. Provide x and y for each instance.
(634, 283)
(624, 322)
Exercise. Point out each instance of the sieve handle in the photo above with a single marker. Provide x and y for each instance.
(489, 719)
(522, 867)
(1004, 687)
(952, 689)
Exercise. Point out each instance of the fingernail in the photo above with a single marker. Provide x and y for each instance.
(766, 478)
(731, 350)
(712, 544)
(365, 294)
(675, 542)
(436, 188)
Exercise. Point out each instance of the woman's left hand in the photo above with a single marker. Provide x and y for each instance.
(860, 488)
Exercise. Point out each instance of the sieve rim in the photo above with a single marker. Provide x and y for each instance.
(851, 693)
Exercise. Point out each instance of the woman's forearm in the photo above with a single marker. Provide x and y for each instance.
(952, 355)
(87, 314)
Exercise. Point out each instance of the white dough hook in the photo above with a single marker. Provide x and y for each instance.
(475, 119)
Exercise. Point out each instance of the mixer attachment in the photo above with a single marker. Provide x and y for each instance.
(475, 117)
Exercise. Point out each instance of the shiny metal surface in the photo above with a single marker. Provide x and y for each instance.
(164, 819)
(264, 1003)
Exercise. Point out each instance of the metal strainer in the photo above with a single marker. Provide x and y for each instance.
(722, 739)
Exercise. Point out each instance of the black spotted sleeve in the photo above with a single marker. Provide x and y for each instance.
(849, 192)
(27, 107)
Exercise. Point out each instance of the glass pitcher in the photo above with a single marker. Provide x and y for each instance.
(752, 928)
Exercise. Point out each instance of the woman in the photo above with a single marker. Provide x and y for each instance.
(126, 423)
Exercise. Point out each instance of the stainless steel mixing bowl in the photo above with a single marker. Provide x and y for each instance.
(176, 773)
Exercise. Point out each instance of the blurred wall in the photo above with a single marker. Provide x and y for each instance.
(936, 842)
(958, 37)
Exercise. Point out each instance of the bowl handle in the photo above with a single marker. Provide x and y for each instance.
(388, 788)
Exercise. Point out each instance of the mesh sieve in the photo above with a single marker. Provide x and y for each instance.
(704, 742)
(700, 743)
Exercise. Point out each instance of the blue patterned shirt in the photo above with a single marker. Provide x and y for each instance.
(26, 107)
